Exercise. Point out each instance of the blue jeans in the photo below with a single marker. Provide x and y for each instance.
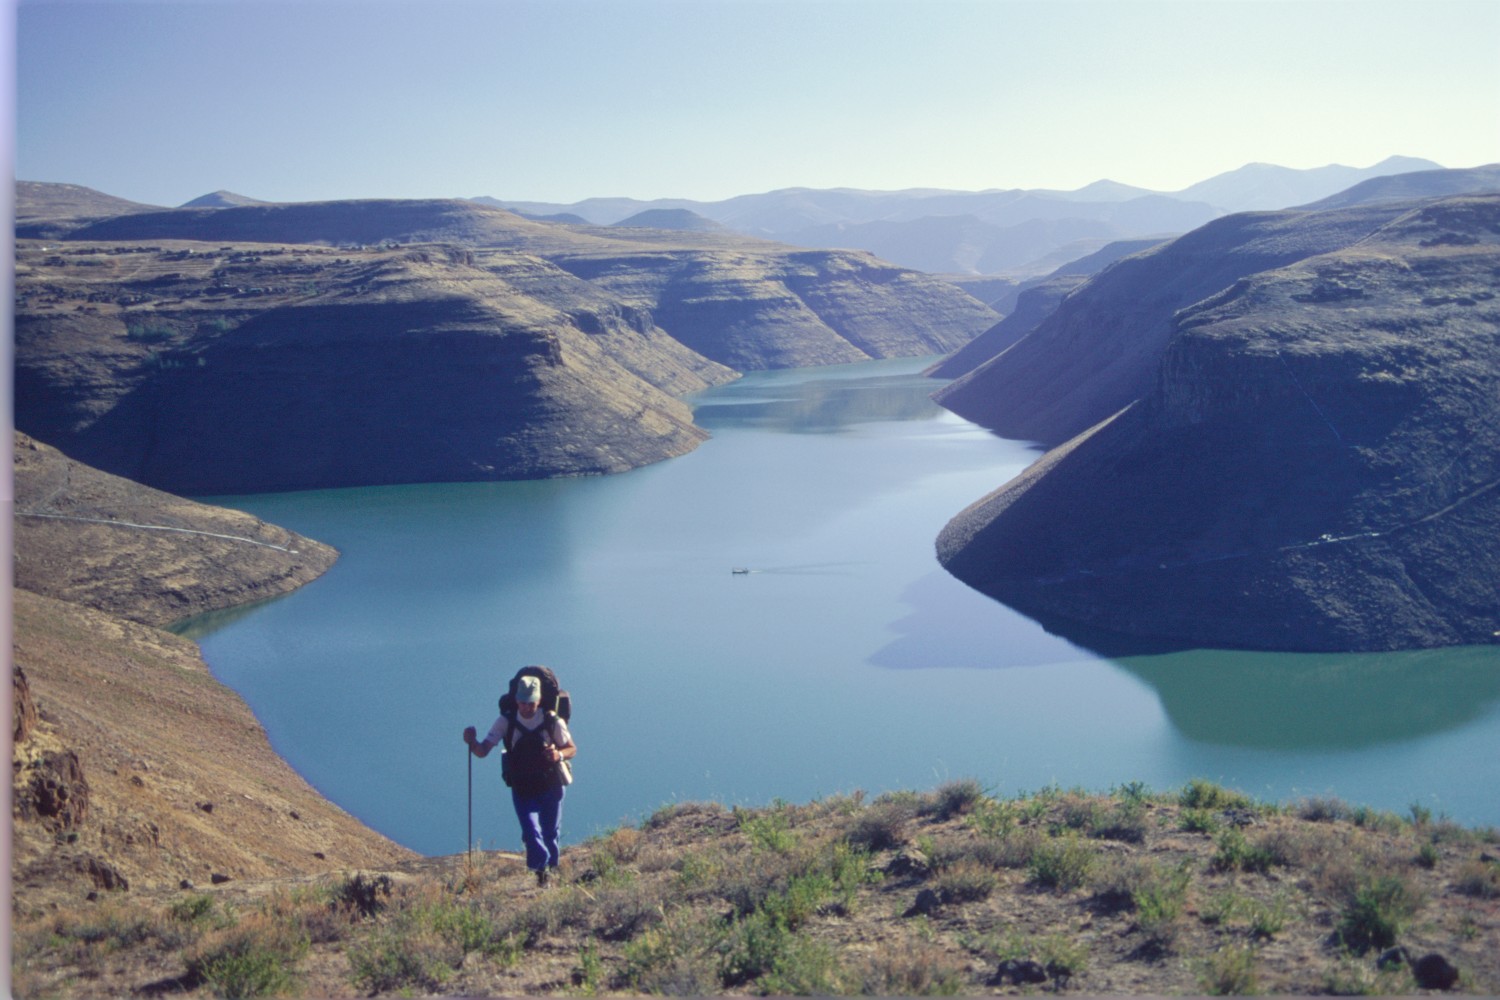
(541, 818)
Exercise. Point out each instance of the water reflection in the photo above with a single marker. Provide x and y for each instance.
(824, 404)
(1290, 701)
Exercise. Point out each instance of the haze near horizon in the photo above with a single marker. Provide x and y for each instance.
(161, 102)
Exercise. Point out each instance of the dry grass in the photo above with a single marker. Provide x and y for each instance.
(951, 892)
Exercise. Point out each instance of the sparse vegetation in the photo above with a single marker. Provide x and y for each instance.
(951, 892)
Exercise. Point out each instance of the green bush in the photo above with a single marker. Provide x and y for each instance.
(1377, 912)
(402, 958)
(1159, 903)
(1061, 863)
(1201, 794)
(1234, 852)
(252, 958)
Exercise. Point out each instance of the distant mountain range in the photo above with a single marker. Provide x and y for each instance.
(1021, 233)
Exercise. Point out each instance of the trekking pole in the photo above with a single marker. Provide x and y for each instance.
(469, 842)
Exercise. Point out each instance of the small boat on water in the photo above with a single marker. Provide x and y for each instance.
(739, 571)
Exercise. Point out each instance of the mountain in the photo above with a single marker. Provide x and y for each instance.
(669, 218)
(1311, 463)
(221, 199)
(249, 367)
(46, 210)
(556, 350)
(1259, 186)
(1099, 350)
(1420, 184)
(1017, 233)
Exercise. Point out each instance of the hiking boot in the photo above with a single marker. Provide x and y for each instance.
(543, 878)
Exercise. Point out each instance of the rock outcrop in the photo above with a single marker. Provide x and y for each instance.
(1316, 464)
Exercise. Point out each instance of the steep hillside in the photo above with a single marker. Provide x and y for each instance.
(133, 770)
(1316, 466)
(247, 367)
(1099, 350)
(87, 537)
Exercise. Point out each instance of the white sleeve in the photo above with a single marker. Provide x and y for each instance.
(496, 736)
(560, 734)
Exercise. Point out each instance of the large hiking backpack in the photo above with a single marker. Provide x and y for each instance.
(555, 701)
(554, 698)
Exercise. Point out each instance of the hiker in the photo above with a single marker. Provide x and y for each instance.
(536, 742)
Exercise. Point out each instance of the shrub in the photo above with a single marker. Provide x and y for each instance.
(362, 897)
(402, 958)
(252, 958)
(1198, 821)
(966, 883)
(1377, 912)
(1322, 810)
(678, 957)
(768, 831)
(993, 818)
(1232, 851)
(883, 826)
(955, 798)
(1159, 903)
(1061, 863)
(1479, 878)
(1230, 971)
(1201, 794)
(917, 969)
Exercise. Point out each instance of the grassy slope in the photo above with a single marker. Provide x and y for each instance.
(1197, 891)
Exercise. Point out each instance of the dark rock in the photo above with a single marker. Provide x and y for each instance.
(927, 901)
(320, 855)
(55, 792)
(294, 815)
(103, 874)
(218, 879)
(185, 884)
(1019, 972)
(1434, 972)
(207, 807)
(22, 709)
(910, 862)
(1393, 958)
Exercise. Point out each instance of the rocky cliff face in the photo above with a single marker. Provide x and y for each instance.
(756, 310)
(1316, 464)
(200, 363)
(254, 367)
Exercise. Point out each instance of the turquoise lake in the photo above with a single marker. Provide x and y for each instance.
(845, 659)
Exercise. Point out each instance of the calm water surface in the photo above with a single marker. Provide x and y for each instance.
(845, 659)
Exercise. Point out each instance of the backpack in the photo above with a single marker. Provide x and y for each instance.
(556, 703)
(554, 698)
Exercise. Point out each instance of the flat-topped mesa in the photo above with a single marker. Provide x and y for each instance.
(202, 363)
(1316, 467)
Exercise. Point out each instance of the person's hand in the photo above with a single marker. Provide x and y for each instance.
(469, 735)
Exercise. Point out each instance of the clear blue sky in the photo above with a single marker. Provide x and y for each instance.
(559, 100)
